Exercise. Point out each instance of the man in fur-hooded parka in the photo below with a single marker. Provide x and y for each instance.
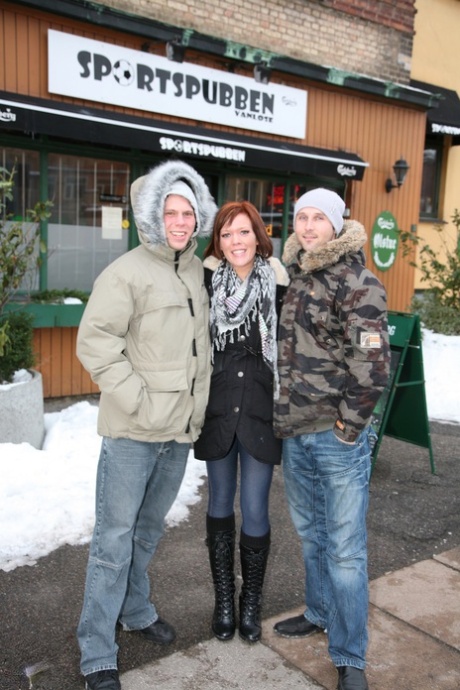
(144, 338)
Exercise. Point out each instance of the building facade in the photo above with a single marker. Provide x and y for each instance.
(435, 67)
(265, 99)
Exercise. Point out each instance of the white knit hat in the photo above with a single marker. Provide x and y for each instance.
(183, 189)
(326, 201)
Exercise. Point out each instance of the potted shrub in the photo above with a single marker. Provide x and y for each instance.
(21, 392)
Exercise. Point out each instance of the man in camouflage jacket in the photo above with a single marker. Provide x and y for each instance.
(334, 360)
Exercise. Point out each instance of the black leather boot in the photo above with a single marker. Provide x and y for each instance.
(221, 547)
(253, 565)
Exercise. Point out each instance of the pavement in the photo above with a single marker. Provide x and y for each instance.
(414, 622)
(414, 644)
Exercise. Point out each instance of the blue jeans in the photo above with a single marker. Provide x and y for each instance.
(327, 486)
(137, 483)
(255, 482)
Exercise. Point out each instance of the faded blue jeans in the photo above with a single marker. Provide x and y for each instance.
(137, 483)
(327, 487)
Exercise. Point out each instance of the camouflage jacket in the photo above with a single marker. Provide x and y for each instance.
(334, 354)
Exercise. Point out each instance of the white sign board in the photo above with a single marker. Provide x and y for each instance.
(106, 73)
(112, 219)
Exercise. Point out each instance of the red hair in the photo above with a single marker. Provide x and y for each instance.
(226, 214)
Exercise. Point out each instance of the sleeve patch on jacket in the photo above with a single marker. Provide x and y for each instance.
(369, 341)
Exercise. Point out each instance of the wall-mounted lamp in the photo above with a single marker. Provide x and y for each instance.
(175, 51)
(400, 169)
(262, 73)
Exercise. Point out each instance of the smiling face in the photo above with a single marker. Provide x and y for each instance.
(238, 243)
(179, 220)
(313, 228)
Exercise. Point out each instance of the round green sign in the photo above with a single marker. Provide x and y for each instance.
(384, 241)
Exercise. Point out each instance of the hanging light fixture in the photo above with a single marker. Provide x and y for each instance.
(400, 169)
(175, 51)
(262, 73)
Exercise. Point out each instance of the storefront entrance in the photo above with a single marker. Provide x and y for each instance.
(91, 224)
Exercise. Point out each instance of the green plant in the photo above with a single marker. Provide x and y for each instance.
(20, 249)
(439, 306)
(58, 296)
(16, 352)
(435, 316)
(19, 240)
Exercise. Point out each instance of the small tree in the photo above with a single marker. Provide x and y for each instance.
(19, 257)
(439, 307)
(19, 240)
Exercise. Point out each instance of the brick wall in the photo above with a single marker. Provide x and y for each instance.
(372, 37)
(397, 14)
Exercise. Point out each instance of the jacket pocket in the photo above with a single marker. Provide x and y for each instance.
(218, 395)
(262, 396)
(165, 381)
(166, 403)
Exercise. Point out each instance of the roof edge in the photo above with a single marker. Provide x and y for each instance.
(102, 15)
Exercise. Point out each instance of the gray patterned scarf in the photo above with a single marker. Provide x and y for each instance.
(236, 303)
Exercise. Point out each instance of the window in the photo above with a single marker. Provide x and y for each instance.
(432, 160)
(26, 179)
(84, 191)
(89, 222)
(26, 193)
(268, 197)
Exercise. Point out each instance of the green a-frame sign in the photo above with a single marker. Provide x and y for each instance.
(402, 411)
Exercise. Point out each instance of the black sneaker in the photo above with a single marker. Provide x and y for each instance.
(351, 678)
(103, 680)
(160, 632)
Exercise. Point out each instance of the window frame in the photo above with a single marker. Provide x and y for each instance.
(436, 143)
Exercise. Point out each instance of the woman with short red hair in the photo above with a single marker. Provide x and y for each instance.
(245, 285)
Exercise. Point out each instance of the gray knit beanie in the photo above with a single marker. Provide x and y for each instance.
(326, 201)
(183, 189)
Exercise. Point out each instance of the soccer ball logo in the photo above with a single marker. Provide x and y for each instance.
(123, 72)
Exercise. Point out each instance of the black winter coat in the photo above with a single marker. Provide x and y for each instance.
(240, 399)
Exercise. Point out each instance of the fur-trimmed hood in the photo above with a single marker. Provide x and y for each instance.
(148, 194)
(350, 241)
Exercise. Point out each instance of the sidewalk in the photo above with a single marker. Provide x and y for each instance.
(414, 613)
(414, 633)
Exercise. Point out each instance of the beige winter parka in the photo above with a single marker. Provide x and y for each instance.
(144, 336)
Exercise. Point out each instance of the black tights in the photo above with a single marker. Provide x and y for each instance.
(255, 482)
